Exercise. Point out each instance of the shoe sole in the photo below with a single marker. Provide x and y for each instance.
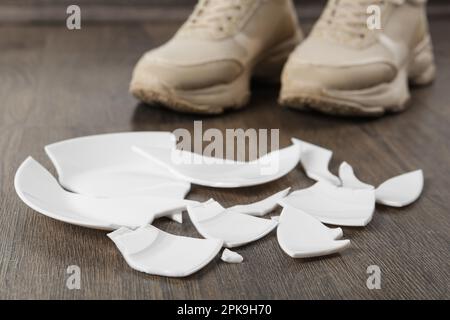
(371, 102)
(216, 99)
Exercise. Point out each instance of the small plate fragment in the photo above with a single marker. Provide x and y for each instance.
(213, 221)
(41, 192)
(223, 173)
(303, 236)
(263, 207)
(402, 190)
(315, 161)
(349, 179)
(153, 251)
(334, 205)
(231, 256)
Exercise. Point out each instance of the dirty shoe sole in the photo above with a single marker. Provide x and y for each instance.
(370, 102)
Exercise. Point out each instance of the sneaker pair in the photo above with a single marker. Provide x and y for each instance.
(342, 67)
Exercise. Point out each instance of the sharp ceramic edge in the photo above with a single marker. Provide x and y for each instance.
(229, 256)
(349, 180)
(303, 236)
(153, 251)
(41, 192)
(105, 166)
(402, 190)
(315, 161)
(334, 205)
(398, 191)
(263, 207)
(220, 173)
(213, 221)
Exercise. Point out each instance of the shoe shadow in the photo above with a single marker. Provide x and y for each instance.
(262, 112)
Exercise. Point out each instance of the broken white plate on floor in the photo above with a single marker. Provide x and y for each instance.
(315, 161)
(105, 166)
(303, 236)
(402, 190)
(334, 205)
(41, 192)
(229, 256)
(349, 179)
(153, 251)
(223, 173)
(263, 207)
(213, 221)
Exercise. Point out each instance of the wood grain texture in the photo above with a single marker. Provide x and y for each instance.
(57, 84)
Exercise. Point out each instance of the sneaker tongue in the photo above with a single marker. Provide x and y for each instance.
(215, 18)
(345, 20)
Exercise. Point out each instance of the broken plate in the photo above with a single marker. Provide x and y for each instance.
(315, 161)
(153, 251)
(223, 173)
(402, 190)
(263, 207)
(231, 256)
(348, 178)
(105, 166)
(213, 221)
(303, 236)
(334, 205)
(41, 192)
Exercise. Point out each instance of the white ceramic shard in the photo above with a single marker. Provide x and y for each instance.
(263, 207)
(150, 250)
(334, 205)
(303, 236)
(348, 178)
(276, 218)
(105, 166)
(231, 256)
(402, 190)
(213, 221)
(41, 192)
(223, 173)
(315, 161)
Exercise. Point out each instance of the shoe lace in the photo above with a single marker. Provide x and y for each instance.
(218, 17)
(347, 19)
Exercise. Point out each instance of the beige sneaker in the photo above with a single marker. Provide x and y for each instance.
(345, 68)
(206, 67)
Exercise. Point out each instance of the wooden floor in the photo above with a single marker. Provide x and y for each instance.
(56, 84)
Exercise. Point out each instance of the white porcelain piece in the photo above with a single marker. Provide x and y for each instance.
(213, 221)
(263, 207)
(349, 179)
(105, 166)
(315, 161)
(402, 190)
(334, 205)
(302, 236)
(231, 256)
(223, 173)
(41, 192)
(153, 251)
